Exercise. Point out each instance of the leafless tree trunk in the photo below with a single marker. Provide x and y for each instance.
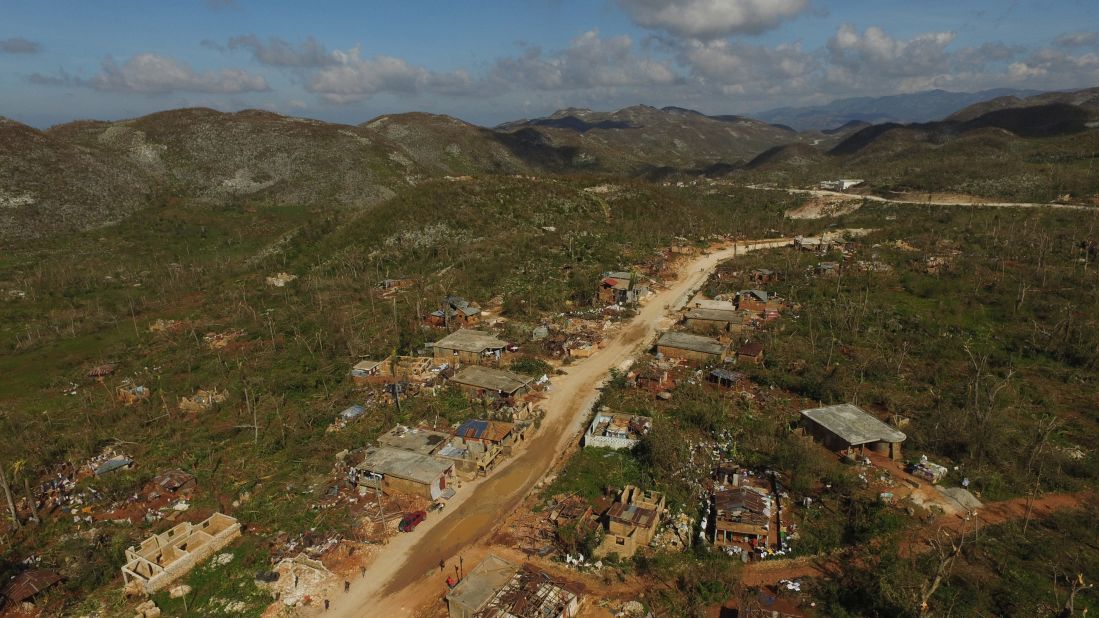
(7, 496)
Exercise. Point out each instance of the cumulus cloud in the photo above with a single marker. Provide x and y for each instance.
(19, 45)
(590, 61)
(1054, 68)
(353, 78)
(711, 19)
(1077, 39)
(875, 52)
(155, 74)
(277, 52)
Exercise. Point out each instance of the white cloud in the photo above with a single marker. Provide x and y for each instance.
(352, 78)
(711, 19)
(589, 61)
(1077, 39)
(151, 73)
(875, 53)
(280, 53)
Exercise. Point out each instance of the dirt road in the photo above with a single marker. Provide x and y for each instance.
(915, 200)
(992, 513)
(387, 588)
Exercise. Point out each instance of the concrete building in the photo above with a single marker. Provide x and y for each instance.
(496, 588)
(414, 439)
(362, 371)
(711, 321)
(631, 521)
(695, 349)
(845, 426)
(165, 557)
(480, 382)
(470, 347)
(390, 469)
(616, 431)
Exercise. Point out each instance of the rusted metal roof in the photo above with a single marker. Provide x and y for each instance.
(28, 583)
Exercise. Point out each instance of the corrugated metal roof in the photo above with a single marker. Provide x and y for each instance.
(694, 343)
(491, 379)
(28, 583)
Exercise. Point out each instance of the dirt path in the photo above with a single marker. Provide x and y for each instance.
(992, 513)
(915, 200)
(398, 579)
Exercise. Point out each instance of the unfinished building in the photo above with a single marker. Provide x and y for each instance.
(631, 521)
(616, 431)
(497, 588)
(165, 557)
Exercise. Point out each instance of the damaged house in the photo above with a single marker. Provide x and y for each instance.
(455, 312)
(616, 431)
(621, 288)
(470, 347)
(496, 588)
(632, 521)
(742, 515)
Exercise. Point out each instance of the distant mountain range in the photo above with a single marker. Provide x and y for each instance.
(901, 108)
(89, 174)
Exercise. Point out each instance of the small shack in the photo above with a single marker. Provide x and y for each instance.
(751, 352)
(470, 347)
(725, 378)
(742, 515)
(23, 587)
(616, 431)
(362, 371)
(695, 349)
(846, 426)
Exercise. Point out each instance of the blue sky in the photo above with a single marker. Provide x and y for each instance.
(487, 61)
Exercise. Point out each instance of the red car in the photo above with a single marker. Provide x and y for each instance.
(411, 520)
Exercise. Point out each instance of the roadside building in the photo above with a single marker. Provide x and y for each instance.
(759, 301)
(695, 349)
(848, 427)
(632, 521)
(470, 347)
(711, 321)
(719, 305)
(414, 439)
(495, 433)
(616, 431)
(622, 288)
(840, 184)
(742, 515)
(389, 469)
(496, 588)
(481, 382)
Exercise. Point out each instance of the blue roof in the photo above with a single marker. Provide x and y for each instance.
(472, 429)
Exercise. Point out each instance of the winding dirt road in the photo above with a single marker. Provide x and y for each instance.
(389, 586)
(915, 200)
